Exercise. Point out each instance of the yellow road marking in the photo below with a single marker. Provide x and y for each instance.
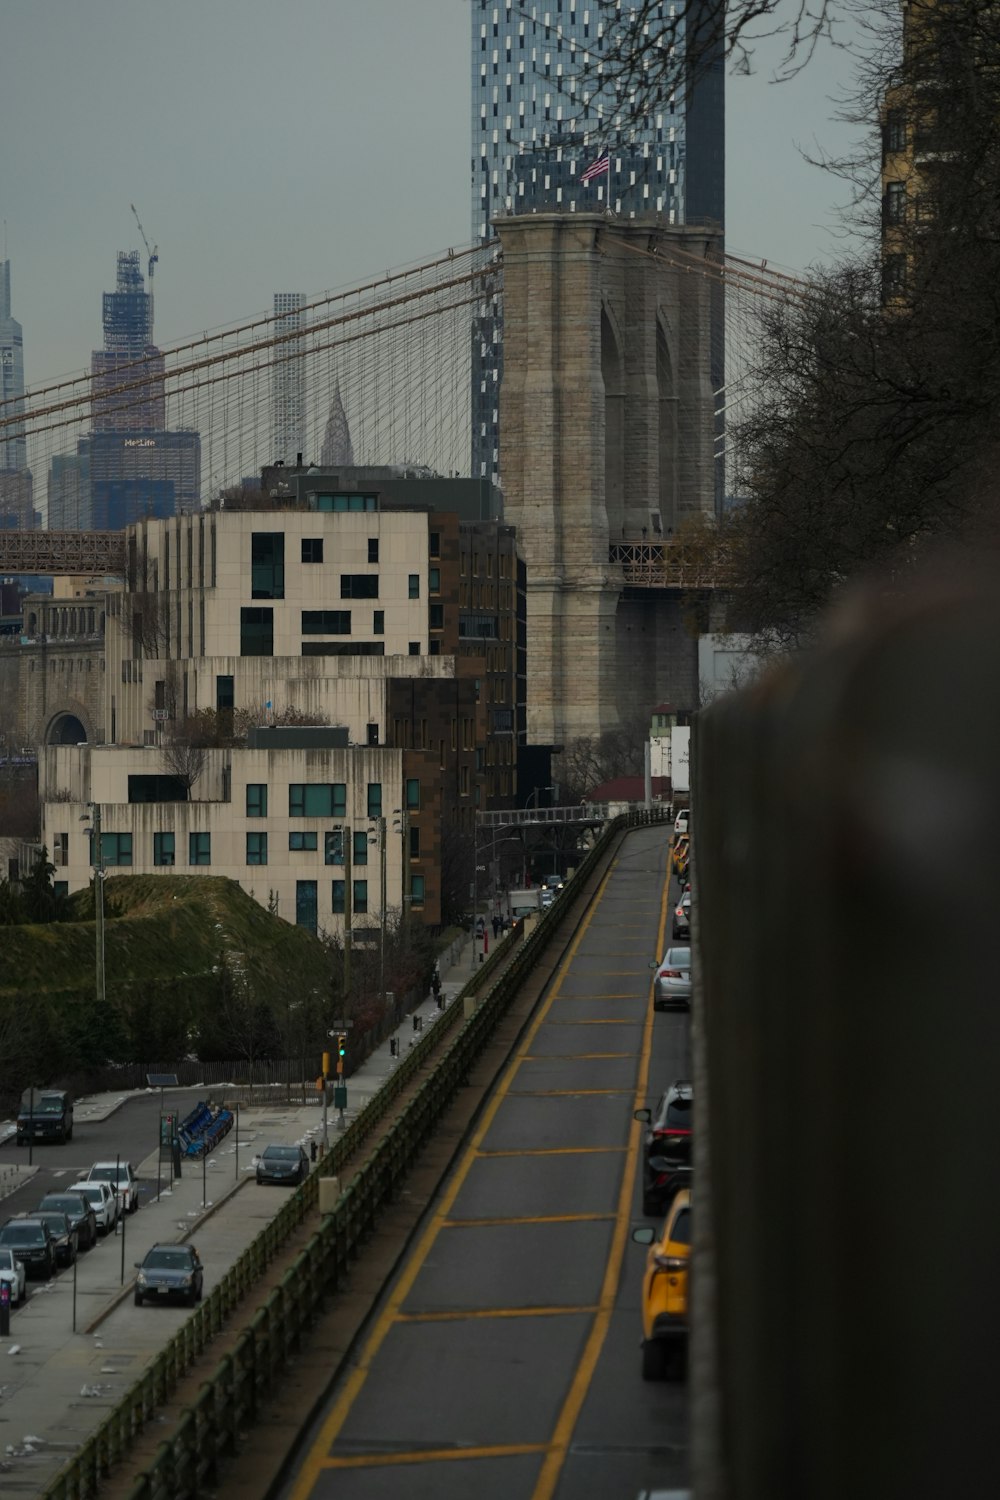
(577, 1057)
(573, 1404)
(598, 1021)
(527, 1219)
(456, 1316)
(563, 1093)
(622, 995)
(337, 1416)
(552, 1151)
(430, 1456)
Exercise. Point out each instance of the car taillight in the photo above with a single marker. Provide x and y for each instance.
(672, 1130)
(670, 1262)
(670, 974)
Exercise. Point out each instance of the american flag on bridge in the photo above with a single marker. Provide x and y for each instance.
(597, 169)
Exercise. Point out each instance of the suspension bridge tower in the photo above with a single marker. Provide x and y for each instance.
(612, 349)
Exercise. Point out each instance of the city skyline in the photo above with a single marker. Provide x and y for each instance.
(202, 174)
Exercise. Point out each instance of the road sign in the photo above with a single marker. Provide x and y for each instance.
(161, 1080)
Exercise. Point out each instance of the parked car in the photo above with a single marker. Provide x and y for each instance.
(31, 1243)
(682, 822)
(169, 1271)
(65, 1237)
(682, 917)
(45, 1115)
(283, 1164)
(121, 1178)
(12, 1273)
(79, 1213)
(667, 1147)
(672, 985)
(665, 1287)
(103, 1200)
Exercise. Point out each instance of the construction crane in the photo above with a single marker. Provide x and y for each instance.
(151, 262)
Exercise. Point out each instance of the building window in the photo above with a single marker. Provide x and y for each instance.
(414, 585)
(360, 896)
(60, 849)
(60, 887)
(359, 585)
(302, 841)
(895, 203)
(893, 277)
(437, 617)
(337, 894)
(305, 904)
(224, 694)
(361, 848)
(163, 848)
(333, 847)
(416, 890)
(373, 549)
(256, 799)
(435, 544)
(256, 632)
(414, 648)
(372, 734)
(378, 622)
(267, 565)
(116, 849)
(413, 792)
(199, 848)
(320, 800)
(895, 131)
(434, 647)
(326, 622)
(434, 580)
(312, 549)
(256, 848)
(374, 789)
(414, 843)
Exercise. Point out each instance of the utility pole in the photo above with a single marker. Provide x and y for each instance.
(99, 905)
(348, 839)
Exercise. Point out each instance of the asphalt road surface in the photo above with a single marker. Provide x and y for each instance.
(504, 1361)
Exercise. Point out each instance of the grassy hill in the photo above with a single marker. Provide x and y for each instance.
(192, 964)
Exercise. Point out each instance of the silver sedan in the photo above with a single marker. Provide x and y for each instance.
(672, 985)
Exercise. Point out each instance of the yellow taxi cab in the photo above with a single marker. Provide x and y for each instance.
(681, 854)
(665, 1287)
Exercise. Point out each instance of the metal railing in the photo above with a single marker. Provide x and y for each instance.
(208, 1430)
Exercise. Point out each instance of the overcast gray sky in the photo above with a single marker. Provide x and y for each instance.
(290, 145)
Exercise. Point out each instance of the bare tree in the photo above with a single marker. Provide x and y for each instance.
(185, 761)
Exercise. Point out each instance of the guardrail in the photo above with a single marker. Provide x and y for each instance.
(208, 1430)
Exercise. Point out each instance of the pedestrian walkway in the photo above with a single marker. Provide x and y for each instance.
(80, 1342)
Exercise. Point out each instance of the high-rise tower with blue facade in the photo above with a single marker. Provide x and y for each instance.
(15, 477)
(541, 118)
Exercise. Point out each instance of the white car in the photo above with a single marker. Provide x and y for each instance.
(103, 1200)
(682, 822)
(120, 1176)
(13, 1273)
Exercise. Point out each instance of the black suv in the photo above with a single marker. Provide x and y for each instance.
(45, 1115)
(79, 1213)
(667, 1142)
(31, 1243)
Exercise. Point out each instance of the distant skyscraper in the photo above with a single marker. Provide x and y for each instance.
(288, 380)
(129, 357)
(13, 448)
(538, 125)
(337, 451)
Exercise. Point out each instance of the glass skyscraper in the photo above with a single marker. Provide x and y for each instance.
(538, 123)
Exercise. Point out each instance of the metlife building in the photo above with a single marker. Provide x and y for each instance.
(136, 474)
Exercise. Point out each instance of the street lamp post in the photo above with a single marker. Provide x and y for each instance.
(401, 825)
(97, 863)
(380, 840)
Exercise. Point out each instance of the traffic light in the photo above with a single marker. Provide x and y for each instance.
(341, 1051)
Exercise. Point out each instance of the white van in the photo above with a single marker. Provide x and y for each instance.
(682, 821)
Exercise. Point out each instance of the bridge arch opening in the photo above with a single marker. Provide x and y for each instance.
(66, 729)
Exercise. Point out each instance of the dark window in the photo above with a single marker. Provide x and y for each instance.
(437, 617)
(435, 544)
(894, 203)
(326, 622)
(312, 549)
(361, 848)
(343, 648)
(256, 848)
(199, 848)
(680, 1230)
(333, 847)
(337, 896)
(317, 800)
(305, 904)
(302, 841)
(374, 788)
(895, 130)
(416, 890)
(378, 622)
(163, 848)
(116, 849)
(893, 277)
(267, 565)
(413, 792)
(414, 843)
(414, 585)
(360, 896)
(224, 693)
(434, 647)
(257, 799)
(372, 734)
(359, 585)
(373, 549)
(434, 580)
(157, 789)
(414, 648)
(256, 632)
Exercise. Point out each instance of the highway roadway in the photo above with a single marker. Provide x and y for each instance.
(504, 1360)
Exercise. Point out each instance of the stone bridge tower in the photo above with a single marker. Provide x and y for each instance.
(607, 435)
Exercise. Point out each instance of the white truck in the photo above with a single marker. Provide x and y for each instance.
(524, 903)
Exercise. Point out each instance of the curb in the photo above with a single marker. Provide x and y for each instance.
(126, 1291)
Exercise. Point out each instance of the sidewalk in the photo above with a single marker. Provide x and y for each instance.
(56, 1386)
